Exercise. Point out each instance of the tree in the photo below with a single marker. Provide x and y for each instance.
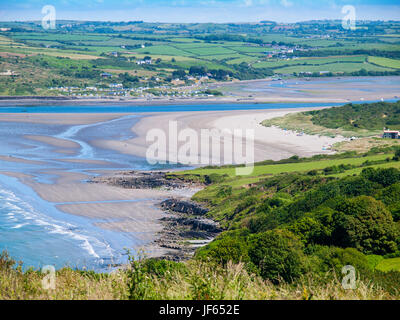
(385, 177)
(198, 71)
(365, 224)
(229, 246)
(397, 155)
(277, 254)
(329, 258)
(179, 74)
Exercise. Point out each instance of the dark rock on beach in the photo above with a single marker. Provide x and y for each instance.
(142, 180)
(183, 206)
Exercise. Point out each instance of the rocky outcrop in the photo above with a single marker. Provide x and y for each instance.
(141, 180)
(195, 224)
(183, 206)
(186, 227)
(185, 222)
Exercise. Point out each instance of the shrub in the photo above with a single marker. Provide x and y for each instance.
(385, 177)
(161, 267)
(365, 224)
(397, 155)
(224, 191)
(229, 246)
(215, 178)
(278, 255)
(374, 260)
(334, 258)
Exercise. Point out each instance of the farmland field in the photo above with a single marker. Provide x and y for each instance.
(222, 52)
(331, 67)
(385, 62)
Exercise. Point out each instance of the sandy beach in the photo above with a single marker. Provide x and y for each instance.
(269, 143)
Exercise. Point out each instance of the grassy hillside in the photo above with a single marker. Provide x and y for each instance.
(350, 120)
(353, 117)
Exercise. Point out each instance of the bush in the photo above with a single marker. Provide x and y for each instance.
(334, 258)
(162, 268)
(385, 177)
(374, 260)
(229, 246)
(215, 178)
(278, 255)
(397, 155)
(365, 224)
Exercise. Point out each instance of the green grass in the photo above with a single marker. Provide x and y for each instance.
(389, 265)
(289, 167)
(207, 51)
(162, 50)
(310, 61)
(60, 37)
(385, 62)
(332, 67)
(357, 171)
(301, 122)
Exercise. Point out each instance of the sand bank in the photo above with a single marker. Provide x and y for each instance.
(269, 143)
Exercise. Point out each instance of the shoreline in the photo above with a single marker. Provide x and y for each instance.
(18, 101)
(338, 89)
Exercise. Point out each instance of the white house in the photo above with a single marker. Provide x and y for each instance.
(391, 134)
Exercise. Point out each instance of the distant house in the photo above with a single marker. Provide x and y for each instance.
(144, 61)
(391, 134)
(116, 85)
(106, 75)
(8, 73)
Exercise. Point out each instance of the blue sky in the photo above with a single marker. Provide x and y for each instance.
(200, 10)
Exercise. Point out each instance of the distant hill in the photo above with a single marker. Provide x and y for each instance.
(352, 117)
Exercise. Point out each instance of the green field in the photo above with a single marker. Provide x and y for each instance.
(310, 61)
(332, 67)
(260, 170)
(389, 265)
(385, 62)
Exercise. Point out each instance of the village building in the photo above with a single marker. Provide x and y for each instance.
(391, 134)
(106, 75)
(8, 73)
(147, 61)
